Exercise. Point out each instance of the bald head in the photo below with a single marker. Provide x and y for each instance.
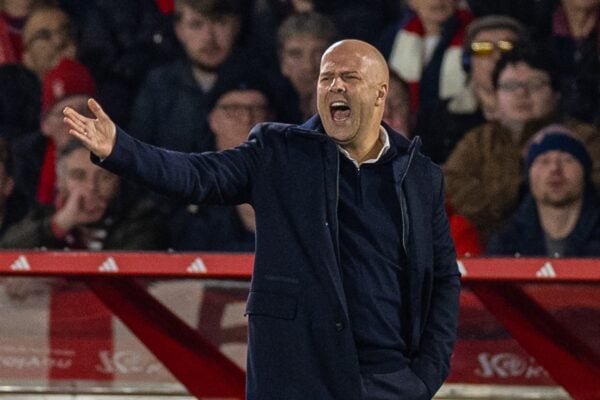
(351, 92)
(377, 65)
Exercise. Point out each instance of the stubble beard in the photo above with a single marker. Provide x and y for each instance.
(565, 201)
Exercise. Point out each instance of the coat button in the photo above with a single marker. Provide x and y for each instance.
(339, 326)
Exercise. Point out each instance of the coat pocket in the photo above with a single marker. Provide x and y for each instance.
(271, 305)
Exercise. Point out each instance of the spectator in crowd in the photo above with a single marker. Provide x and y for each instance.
(91, 211)
(560, 216)
(301, 40)
(486, 39)
(425, 50)
(571, 29)
(47, 38)
(226, 228)
(484, 172)
(20, 101)
(360, 19)
(120, 41)
(13, 14)
(265, 19)
(397, 112)
(69, 83)
(171, 108)
(12, 208)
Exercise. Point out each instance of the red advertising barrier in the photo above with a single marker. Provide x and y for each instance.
(526, 322)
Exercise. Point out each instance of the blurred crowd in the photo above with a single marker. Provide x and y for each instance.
(505, 96)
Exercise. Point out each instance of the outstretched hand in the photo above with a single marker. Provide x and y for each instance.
(98, 135)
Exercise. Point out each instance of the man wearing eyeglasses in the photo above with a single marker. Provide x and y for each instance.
(47, 38)
(237, 109)
(486, 39)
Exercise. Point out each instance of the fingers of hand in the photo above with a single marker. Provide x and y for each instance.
(96, 109)
(79, 124)
(74, 115)
(77, 128)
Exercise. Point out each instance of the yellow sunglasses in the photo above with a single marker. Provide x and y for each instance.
(486, 48)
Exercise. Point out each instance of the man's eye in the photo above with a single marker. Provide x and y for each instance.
(294, 54)
(196, 25)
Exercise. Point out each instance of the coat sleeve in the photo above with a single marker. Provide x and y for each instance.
(432, 362)
(210, 178)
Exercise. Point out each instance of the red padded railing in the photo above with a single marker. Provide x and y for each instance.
(239, 266)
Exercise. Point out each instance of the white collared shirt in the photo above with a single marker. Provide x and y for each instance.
(383, 138)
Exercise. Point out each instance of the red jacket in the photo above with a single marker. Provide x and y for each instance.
(465, 235)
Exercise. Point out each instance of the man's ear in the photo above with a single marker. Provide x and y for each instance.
(44, 128)
(381, 94)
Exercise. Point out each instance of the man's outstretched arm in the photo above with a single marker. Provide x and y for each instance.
(211, 178)
(97, 134)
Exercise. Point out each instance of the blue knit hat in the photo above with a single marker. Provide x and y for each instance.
(560, 138)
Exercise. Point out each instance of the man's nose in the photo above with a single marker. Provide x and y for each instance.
(556, 166)
(246, 117)
(93, 185)
(306, 62)
(59, 39)
(337, 86)
(211, 31)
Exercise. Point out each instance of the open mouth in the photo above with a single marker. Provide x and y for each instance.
(340, 111)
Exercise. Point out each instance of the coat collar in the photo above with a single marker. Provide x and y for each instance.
(313, 127)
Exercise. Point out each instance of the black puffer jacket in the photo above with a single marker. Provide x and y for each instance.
(524, 235)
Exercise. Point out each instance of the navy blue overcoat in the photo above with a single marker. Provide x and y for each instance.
(300, 345)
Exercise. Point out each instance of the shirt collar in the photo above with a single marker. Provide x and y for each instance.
(383, 138)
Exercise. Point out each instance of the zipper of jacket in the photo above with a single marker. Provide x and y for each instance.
(359, 193)
(403, 206)
(405, 232)
(337, 202)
